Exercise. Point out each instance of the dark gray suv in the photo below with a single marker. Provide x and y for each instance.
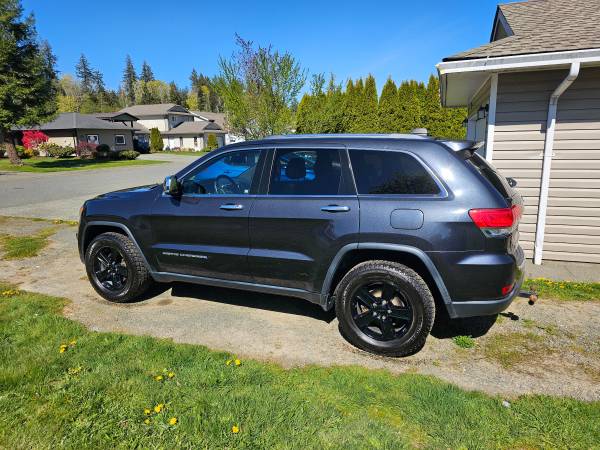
(383, 228)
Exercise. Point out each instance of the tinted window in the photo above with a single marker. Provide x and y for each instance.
(386, 172)
(306, 172)
(230, 173)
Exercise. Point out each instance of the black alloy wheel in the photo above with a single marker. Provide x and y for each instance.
(110, 269)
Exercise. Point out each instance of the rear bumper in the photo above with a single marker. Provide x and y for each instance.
(484, 307)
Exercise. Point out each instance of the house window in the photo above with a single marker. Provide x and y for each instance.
(93, 139)
(195, 141)
(119, 139)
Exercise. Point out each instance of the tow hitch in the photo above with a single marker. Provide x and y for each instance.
(530, 294)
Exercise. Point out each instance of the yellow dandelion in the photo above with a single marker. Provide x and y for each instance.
(158, 378)
(147, 411)
(171, 374)
(72, 343)
(173, 421)
(235, 429)
(158, 408)
(147, 421)
(62, 350)
(237, 362)
(228, 362)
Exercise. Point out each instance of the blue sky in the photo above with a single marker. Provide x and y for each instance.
(397, 38)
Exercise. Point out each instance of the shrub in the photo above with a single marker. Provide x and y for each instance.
(2, 151)
(23, 153)
(128, 154)
(33, 138)
(102, 151)
(156, 142)
(56, 151)
(85, 149)
(211, 142)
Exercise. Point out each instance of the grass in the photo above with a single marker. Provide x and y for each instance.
(43, 164)
(93, 395)
(510, 349)
(464, 341)
(18, 247)
(564, 290)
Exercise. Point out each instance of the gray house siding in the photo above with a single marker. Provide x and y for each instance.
(573, 218)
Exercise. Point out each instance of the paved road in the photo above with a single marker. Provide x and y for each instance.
(59, 195)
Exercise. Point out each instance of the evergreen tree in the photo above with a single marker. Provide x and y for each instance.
(146, 75)
(333, 111)
(350, 101)
(303, 113)
(129, 79)
(176, 95)
(211, 142)
(409, 107)
(367, 120)
(85, 73)
(388, 108)
(28, 85)
(156, 142)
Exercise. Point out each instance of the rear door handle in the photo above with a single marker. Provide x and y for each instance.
(335, 208)
(231, 207)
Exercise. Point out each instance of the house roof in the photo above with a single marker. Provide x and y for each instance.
(196, 127)
(159, 109)
(117, 116)
(541, 26)
(73, 120)
(218, 118)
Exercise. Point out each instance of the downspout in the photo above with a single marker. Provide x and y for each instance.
(547, 160)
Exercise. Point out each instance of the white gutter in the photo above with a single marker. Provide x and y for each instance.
(491, 119)
(547, 162)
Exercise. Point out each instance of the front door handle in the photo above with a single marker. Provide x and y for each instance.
(335, 208)
(231, 207)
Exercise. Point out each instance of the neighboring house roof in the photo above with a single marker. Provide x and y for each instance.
(196, 127)
(73, 120)
(160, 109)
(218, 118)
(540, 26)
(140, 129)
(117, 116)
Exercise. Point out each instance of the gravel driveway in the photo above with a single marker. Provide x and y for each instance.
(60, 194)
(550, 348)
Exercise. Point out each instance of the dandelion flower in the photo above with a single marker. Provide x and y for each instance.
(62, 350)
(147, 421)
(147, 411)
(158, 408)
(235, 429)
(158, 378)
(173, 421)
(228, 362)
(72, 343)
(171, 374)
(237, 362)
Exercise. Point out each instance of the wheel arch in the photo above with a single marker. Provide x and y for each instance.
(353, 254)
(95, 228)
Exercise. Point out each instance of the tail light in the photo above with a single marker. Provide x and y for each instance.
(497, 222)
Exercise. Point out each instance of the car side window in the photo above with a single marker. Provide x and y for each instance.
(230, 173)
(390, 172)
(306, 172)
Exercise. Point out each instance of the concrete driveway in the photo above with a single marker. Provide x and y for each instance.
(58, 195)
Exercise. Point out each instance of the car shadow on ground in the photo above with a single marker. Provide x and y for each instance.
(446, 328)
(277, 303)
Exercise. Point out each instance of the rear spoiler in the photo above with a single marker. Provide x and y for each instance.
(465, 148)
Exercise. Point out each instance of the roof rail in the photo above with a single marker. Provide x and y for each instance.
(349, 135)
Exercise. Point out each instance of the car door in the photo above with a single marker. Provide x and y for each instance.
(306, 212)
(204, 231)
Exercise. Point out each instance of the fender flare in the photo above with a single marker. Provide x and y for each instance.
(435, 274)
(119, 225)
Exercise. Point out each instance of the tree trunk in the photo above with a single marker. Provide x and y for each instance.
(11, 151)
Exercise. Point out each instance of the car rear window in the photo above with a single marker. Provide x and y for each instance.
(390, 172)
(489, 173)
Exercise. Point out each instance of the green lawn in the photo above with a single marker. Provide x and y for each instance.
(18, 247)
(101, 389)
(563, 290)
(42, 164)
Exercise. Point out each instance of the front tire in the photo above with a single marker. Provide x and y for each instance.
(384, 307)
(116, 268)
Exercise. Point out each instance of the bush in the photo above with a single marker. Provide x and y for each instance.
(54, 150)
(156, 142)
(102, 151)
(23, 153)
(33, 138)
(86, 149)
(128, 154)
(211, 142)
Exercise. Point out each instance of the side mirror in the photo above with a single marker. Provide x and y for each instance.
(171, 186)
(511, 182)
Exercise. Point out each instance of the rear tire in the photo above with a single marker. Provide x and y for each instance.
(116, 268)
(384, 307)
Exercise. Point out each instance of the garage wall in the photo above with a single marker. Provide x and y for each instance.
(573, 221)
